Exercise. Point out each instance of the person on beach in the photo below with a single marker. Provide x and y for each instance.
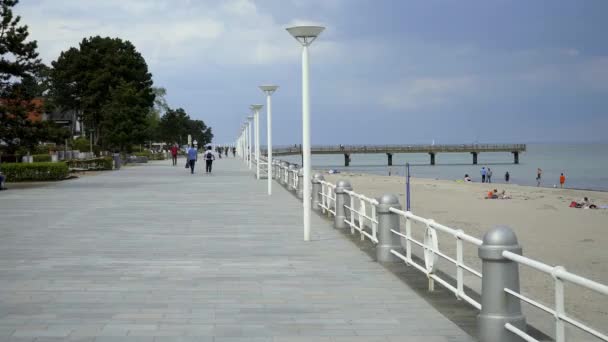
(209, 158)
(507, 177)
(489, 175)
(539, 174)
(467, 178)
(174, 154)
(483, 174)
(192, 157)
(562, 180)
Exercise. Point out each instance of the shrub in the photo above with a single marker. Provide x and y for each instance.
(103, 163)
(42, 158)
(21, 172)
(80, 144)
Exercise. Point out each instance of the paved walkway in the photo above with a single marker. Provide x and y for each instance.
(152, 253)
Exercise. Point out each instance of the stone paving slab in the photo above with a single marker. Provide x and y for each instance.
(152, 253)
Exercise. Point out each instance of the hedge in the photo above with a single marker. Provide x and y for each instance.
(150, 155)
(21, 172)
(42, 158)
(103, 163)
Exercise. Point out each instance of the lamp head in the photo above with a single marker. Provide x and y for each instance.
(256, 107)
(269, 89)
(305, 34)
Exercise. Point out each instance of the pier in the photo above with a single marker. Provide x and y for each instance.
(389, 150)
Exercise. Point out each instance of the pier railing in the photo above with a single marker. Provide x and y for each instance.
(378, 220)
(296, 149)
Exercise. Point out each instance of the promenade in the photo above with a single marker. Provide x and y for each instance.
(152, 253)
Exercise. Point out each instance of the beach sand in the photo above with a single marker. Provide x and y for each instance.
(548, 230)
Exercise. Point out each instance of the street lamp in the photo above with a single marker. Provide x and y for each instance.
(249, 120)
(256, 114)
(269, 90)
(306, 35)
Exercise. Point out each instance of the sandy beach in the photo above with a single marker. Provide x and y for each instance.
(547, 228)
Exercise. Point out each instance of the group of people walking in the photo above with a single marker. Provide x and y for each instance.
(192, 157)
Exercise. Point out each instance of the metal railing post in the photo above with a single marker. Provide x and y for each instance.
(300, 191)
(388, 220)
(316, 189)
(498, 307)
(342, 198)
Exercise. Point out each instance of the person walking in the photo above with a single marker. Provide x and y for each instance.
(174, 154)
(507, 177)
(233, 152)
(483, 174)
(209, 158)
(489, 175)
(539, 174)
(562, 180)
(192, 157)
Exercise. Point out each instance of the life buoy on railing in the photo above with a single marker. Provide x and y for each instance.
(431, 245)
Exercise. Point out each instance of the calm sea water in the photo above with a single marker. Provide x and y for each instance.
(585, 165)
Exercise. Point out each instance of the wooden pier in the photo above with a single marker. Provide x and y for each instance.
(389, 150)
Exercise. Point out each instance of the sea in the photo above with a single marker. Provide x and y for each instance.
(584, 165)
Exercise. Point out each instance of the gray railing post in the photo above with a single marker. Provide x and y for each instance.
(291, 177)
(387, 220)
(300, 191)
(342, 198)
(498, 307)
(316, 191)
(282, 173)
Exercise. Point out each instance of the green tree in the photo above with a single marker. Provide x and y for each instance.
(176, 124)
(125, 117)
(82, 79)
(21, 80)
(200, 132)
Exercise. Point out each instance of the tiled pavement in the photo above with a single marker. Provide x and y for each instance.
(152, 253)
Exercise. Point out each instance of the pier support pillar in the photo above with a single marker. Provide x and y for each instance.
(342, 198)
(316, 191)
(474, 158)
(432, 158)
(515, 157)
(390, 159)
(498, 307)
(346, 159)
(388, 220)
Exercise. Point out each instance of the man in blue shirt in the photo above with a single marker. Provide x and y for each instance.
(483, 174)
(192, 156)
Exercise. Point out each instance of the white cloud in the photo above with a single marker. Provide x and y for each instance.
(426, 93)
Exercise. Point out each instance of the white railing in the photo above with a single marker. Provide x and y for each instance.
(328, 198)
(560, 275)
(367, 225)
(294, 179)
(430, 245)
(362, 217)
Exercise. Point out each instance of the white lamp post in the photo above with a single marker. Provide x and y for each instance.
(306, 35)
(256, 118)
(269, 90)
(249, 133)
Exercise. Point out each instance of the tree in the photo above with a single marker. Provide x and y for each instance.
(176, 124)
(125, 117)
(82, 79)
(21, 80)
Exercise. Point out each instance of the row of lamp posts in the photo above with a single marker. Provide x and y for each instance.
(305, 35)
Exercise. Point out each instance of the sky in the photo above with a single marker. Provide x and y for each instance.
(383, 71)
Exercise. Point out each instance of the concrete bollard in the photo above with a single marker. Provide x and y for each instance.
(316, 191)
(498, 307)
(388, 220)
(300, 191)
(342, 198)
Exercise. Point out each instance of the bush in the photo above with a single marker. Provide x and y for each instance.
(150, 155)
(80, 144)
(42, 158)
(104, 163)
(21, 172)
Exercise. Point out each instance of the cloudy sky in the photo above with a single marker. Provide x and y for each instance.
(384, 71)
